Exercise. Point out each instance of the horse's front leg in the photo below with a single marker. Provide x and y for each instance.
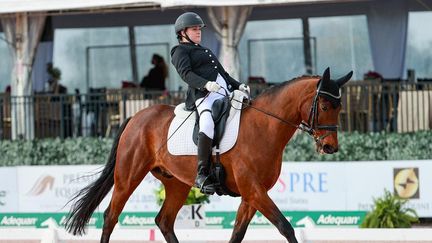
(244, 216)
(257, 197)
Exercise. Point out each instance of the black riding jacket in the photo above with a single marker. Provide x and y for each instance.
(197, 65)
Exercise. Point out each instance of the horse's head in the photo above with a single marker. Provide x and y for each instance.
(320, 113)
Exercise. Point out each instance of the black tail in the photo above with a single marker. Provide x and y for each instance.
(91, 196)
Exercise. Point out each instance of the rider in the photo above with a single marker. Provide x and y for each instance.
(207, 80)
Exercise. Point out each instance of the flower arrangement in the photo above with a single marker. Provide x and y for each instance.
(194, 196)
(372, 75)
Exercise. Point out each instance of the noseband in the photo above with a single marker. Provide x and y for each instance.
(311, 126)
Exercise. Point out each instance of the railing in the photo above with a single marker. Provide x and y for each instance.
(98, 114)
(371, 106)
(367, 106)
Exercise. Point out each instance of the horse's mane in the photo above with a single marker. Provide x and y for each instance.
(276, 88)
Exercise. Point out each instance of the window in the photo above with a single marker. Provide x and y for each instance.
(342, 45)
(419, 44)
(5, 64)
(272, 49)
(159, 40)
(108, 64)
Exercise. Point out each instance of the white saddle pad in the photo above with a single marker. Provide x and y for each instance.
(181, 142)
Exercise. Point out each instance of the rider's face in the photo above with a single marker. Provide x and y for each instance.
(194, 33)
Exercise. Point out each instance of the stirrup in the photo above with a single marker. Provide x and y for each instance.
(206, 187)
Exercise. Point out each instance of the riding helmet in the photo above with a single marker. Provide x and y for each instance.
(186, 20)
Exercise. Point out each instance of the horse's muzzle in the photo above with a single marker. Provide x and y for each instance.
(329, 149)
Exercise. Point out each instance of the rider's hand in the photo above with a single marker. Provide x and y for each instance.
(212, 86)
(244, 88)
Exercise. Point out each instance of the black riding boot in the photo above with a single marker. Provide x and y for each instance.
(202, 181)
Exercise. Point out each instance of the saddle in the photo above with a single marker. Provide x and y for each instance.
(226, 115)
(220, 113)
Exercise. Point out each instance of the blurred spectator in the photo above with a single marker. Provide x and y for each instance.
(54, 86)
(155, 79)
(8, 89)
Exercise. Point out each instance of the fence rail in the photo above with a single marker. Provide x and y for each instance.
(96, 114)
(392, 107)
(366, 107)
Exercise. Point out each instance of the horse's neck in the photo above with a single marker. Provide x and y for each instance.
(285, 104)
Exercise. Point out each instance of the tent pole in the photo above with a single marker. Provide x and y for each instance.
(307, 46)
(132, 46)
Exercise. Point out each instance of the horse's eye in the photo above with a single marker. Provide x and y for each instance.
(324, 107)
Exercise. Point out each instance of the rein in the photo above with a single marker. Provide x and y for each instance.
(310, 127)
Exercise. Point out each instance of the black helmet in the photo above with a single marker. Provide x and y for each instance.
(186, 20)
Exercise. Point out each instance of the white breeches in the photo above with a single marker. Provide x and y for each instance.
(206, 124)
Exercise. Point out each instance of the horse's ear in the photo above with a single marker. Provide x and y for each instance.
(344, 79)
(326, 75)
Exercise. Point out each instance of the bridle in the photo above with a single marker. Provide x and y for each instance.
(312, 126)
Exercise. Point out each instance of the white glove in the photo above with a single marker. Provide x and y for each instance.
(244, 88)
(212, 86)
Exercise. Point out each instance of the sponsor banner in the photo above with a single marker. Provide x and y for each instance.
(352, 186)
(49, 189)
(309, 186)
(43, 220)
(137, 220)
(8, 190)
(296, 218)
(194, 220)
(410, 180)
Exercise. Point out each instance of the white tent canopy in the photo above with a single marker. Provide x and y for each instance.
(176, 3)
(14, 6)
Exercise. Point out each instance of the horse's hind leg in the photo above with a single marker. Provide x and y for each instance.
(259, 199)
(123, 188)
(176, 193)
(244, 216)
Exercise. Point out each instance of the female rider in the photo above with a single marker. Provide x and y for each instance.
(207, 81)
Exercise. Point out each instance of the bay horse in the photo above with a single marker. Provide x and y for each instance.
(253, 165)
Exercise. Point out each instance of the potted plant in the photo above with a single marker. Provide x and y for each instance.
(194, 196)
(192, 214)
(390, 211)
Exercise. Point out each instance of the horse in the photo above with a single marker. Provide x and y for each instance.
(252, 166)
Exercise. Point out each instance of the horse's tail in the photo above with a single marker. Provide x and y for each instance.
(92, 195)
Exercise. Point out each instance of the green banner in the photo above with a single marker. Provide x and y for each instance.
(297, 219)
(213, 219)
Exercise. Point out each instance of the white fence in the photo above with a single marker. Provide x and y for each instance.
(304, 235)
